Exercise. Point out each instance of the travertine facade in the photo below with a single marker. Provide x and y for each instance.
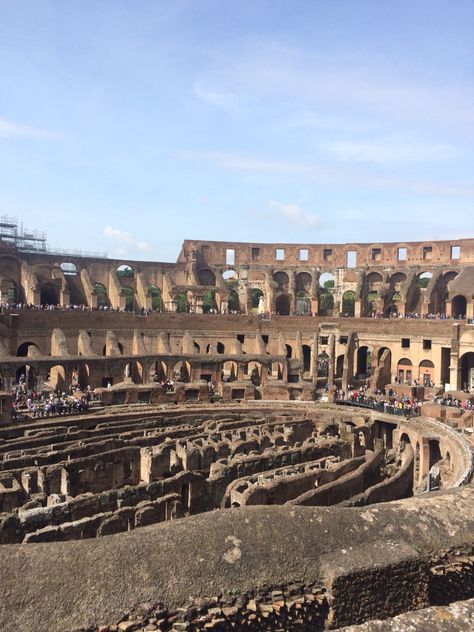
(218, 383)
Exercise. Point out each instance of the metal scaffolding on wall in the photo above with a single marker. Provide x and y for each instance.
(26, 240)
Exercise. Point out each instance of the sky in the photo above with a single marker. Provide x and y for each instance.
(129, 126)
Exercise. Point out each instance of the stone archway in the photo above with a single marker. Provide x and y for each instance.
(283, 305)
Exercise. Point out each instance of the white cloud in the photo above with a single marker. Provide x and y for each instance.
(125, 241)
(216, 98)
(388, 151)
(362, 88)
(347, 174)
(9, 129)
(296, 215)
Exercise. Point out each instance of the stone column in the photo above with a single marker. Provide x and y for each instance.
(424, 459)
(314, 357)
(332, 358)
(292, 293)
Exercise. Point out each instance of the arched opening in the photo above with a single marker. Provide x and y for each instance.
(196, 347)
(282, 305)
(459, 306)
(306, 358)
(289, 351)
(326, 298)
(101, 293)
(9, 292)
(125, 273)
(303, 303)
(424, 279)
(276, 371)
(384, 367)
(435, 452)
(339, 366)
(128, 293)
(229, 371)
(426, 372)
(404, 371)
(323, 364)
(255, 373)
(220, 347)
(28, 349)
(392, 307)
(326, 304)
(256, 300)
(230, 275)
(397, 280)
(303, 282)
(467, 371)
(282, 280)
(26, 375)
(327, 281)
(440, 296)
(370, 303)
(374, 281)
(155, 296)
(404, 440)
(233, 304)
(48, 294)
(182, 371)
(364, 363)
(348, 303)
(69, 268)
(231, 280)
(56, 379)
(112, 350)
(206, 277)
(137, 373)
(181, 302)
(158, 371)
(80, 376)
(209, 302)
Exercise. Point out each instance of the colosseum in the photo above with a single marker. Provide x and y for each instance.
(256, 437)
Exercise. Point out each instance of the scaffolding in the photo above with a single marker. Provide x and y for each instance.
(26, 240)
(22, 238)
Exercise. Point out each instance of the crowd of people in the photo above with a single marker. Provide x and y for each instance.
(5, 306)
(454, 402)
(29, 403)
(384, 401)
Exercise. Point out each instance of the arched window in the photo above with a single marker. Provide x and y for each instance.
(69, 268)
(125, 272)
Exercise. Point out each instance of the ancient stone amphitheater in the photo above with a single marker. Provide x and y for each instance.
(232, 471)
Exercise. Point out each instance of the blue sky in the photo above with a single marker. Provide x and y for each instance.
(128, 126)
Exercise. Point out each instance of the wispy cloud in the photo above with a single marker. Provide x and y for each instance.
(125, 241)
(388, 151)
(217, 98)
(294, 214)
(350, 175)
(298, 83)
(10, 129)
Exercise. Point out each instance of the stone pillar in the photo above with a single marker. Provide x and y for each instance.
(454, 369)
(348, 368)
(332, 358)
(424, 459)
(314, 357)
(292, 293)
(358, 308)
(240, 371)
(448, 308)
